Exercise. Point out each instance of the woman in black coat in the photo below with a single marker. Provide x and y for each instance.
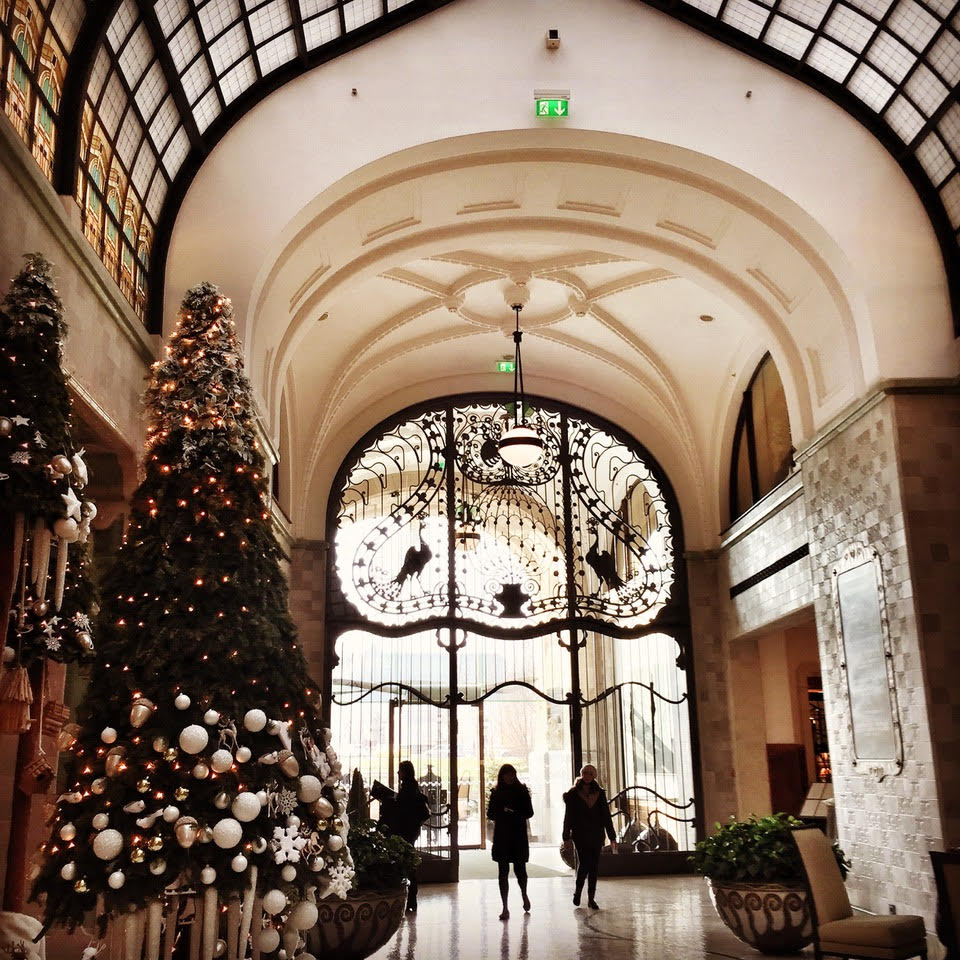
(510, 808)
(585, 821)
(404, 814)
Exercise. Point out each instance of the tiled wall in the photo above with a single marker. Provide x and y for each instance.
(854, 494)
(308, 580)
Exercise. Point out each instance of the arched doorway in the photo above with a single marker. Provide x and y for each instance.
(480, 614)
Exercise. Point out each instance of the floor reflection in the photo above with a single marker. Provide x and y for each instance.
(641, 918)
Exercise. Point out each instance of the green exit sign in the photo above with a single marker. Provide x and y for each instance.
(506, 366)
(552, 107)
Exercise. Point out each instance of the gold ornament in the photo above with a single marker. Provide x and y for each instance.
(186, 830)
(141, 712)
(170, 754)
(143, 785)
(137, 855)
(288, 763)
(80, 886)
(86, 641)
(181, 793)
(201, 771)
(114, 760)
(160, 744)
(155, 843)
(337, 823)
(323, 824)
(41, 608)
(6, 426)
(61, 464)
(222, 800)
(98, 785)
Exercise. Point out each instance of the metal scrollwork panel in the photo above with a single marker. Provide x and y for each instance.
(510, 559)
(391, 538)
(624, 563)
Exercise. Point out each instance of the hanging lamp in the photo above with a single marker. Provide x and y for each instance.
(520, 445)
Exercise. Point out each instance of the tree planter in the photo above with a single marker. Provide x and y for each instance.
(770, 917)
(357, 927)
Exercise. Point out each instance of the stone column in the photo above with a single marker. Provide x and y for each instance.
(308, 592)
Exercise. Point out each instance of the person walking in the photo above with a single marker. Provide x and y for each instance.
(404, 815)
(510, 808)
(586, 819)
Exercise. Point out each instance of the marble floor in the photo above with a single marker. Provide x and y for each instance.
(641, 918)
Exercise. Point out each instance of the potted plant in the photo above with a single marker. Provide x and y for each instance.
(357, 927)
(755, 880)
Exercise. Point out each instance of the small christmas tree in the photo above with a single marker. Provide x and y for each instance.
(40, 472)
(201, 763)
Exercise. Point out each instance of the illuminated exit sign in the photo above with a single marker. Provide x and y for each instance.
(551, 103)
(553, 107)
(506, 366)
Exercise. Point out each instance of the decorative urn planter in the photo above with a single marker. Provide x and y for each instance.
(357, 927)
(770, 917)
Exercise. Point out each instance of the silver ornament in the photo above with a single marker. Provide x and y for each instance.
(6, 426)
(186, 830)
(141, 712)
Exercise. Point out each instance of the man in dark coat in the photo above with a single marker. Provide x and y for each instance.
(404, 815)
(586, 820)
(510, 808)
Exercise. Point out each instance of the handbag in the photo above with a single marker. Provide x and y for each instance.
(568, 854)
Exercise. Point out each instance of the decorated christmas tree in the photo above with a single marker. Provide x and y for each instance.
(45, 596)
(201, 765)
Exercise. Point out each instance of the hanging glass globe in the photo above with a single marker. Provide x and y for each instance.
(520, 446)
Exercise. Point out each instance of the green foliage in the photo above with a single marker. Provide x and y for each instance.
(382, 859)
(756, 850)
(33, 388)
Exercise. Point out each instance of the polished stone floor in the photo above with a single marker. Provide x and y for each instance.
(641, 918)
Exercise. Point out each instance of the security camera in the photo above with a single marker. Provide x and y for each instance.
(553, 39)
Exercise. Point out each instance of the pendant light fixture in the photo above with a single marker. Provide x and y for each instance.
(520, 445)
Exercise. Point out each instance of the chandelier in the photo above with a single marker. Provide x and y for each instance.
(520, 445)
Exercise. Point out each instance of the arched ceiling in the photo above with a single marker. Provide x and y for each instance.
(160, 83)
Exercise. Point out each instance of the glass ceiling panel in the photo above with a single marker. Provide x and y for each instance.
(899, 58)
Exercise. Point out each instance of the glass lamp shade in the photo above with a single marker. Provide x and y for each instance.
(521, 446)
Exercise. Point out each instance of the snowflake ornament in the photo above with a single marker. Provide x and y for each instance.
(20, 456)
(281, 801)
(52, 643)
(81, 621)
(341, 878)
(287, 844)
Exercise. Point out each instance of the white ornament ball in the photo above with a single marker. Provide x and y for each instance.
(269, 940)
(335, 843)
(66, 528)
(108, 735)
(67, 832)
(262, 797)
(239, 863)
(211, 717)
(227, 833)
(107, 844)
(310, 788)
(317, 864)
(274, 901)
(68, 871)
(254, 720)
(181, 701)
(289, 872)
(221, 761)
(9, 654)
(193, 738)
(246, 807)
(208, 875)
(171, 813)
(101, 821)
(243, 754)
(158, 866)
(116, 880)
(303, 916)
(201, 771)
(259, 845)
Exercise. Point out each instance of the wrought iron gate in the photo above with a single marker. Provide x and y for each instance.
(479, 613)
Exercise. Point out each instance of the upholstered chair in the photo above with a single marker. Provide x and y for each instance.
(946, 871)
(838, 931)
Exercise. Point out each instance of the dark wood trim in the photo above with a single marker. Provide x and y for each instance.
(785, 561)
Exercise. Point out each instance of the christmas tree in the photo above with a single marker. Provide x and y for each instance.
(201, 763)
(40, 512)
